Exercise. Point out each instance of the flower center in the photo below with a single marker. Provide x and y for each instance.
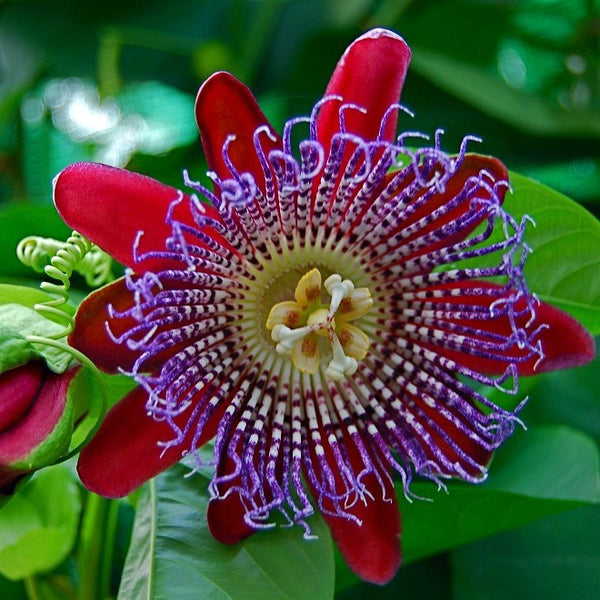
(307, 329)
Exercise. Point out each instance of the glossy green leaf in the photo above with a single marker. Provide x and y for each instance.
(39, 523)
(564, 268)
(578, 178)
(26, 296)
(172, 552)
(12, 590)
(568, 397)
(555, 558)
(16, 323)
(536, 473)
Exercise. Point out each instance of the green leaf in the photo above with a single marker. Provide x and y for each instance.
(173, 552)
(15, 350)
(536, 473)
(38, 524)
(564, 268)
(509, 60)
(568, 397)
(555, 558)
(16, 323)
(12, 590)
(26, 296)
(427, 579)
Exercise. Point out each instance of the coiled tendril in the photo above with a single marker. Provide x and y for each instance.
(58, 260)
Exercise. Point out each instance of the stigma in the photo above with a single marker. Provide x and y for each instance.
(313, 332)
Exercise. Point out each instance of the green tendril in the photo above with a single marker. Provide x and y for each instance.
(59, 260)
(76, 254)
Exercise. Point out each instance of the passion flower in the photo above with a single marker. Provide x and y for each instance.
(327, 312)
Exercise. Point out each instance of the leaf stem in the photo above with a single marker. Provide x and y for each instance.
(96, 547)
(32, 588)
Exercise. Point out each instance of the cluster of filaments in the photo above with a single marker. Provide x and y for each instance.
(366, 212)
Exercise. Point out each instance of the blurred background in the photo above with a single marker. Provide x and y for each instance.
(115, 81)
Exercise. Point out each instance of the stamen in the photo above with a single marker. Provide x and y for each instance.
(347, 342)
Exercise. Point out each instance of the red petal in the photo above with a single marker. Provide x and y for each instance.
(370, 74)
(371, 549)
(472, 166)
(90, 335)
(565, 342)
(451, 440)
(125, 452)
(18, 389)
(111, 206)
(224, 107)
(225, 517)
(47, 408)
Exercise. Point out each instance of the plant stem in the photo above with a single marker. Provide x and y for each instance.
(32, 588)
(96, 547)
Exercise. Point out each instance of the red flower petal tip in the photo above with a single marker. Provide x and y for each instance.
(565, 342)
(370, 75)
(227, 110)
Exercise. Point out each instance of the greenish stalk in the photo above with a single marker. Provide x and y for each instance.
(32, 588)
(96, 547)
(108, 62)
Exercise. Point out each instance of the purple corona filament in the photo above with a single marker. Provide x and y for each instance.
(360, 209)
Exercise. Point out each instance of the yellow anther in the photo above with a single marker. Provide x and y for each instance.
(287, 313)
(308, 289)
(353, 340)
(356, 305)
(319, 318)
(306, 355)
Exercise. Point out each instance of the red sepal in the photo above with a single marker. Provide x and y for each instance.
(224, 107)
(111, 206)
(564, 341)
(370, 74)
(225, 517)
(125, 453)
(126, 450)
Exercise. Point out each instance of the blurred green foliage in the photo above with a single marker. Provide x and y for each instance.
(115, 81)
(523, 75)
